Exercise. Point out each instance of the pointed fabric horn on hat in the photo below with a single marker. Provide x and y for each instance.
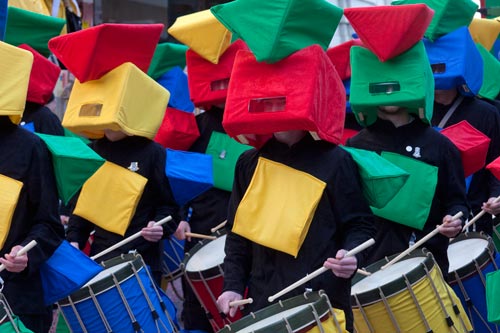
(166, 56)
(93, 52)
(485, 31)
(490, 87)
(178, 130)
(176, 82)
(340, 57)
(398, 27)
(284, 26)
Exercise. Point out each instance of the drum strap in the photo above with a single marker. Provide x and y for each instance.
(450, 112)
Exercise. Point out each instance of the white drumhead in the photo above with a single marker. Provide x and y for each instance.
(465, 251)
(208, 256)
(383, 277)
(273, 319)
(107, 272)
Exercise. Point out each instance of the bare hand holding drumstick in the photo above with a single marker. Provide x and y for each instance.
(223, 302)
(341, 266)
(153, 232)
(451, 226)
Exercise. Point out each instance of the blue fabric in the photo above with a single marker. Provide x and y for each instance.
(115, 312)
(347, 86)
(190, 174)
(66, 271)
(464, 64)
(173, 255)
(29, 126)
(175, 81)
(3, 18)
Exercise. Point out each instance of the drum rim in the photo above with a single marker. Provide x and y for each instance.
(103, 285)
(212, 272)
(297, 321)
(396, 286)
(483, 259)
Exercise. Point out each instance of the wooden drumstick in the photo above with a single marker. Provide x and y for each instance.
(320, 270)
(420, 242)
(22, 251)
(363, 272)
(241, 302)
(218, 226)
(128, 239)
(478, 216)
(195, 235)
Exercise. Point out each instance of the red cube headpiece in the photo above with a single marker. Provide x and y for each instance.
(178, 130)
(340, 56)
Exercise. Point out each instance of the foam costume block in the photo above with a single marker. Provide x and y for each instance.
(178, 130)
(490, 87)
(340, 57)
(449, 15)
(398, 28)
(494, 167)
(208, 83)
(284, 26)
(485, 31)
(27, 27)
(15, 66)
(74, 162)
(265, 98)
(472, 144)
(166, 56)
(9, 195)
(456, 62)
(189, 174)
(176, 82)
(203, 34)
(43, 77)
(110, 196)
(402, 81)
(125, 99)
(90, 53)
(3, 18)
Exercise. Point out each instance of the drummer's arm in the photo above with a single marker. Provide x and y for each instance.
(78, 230)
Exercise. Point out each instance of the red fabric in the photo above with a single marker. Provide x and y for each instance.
(178, 130)
(202, 74)
(340, 57)
(348, 133)
(90, 53)
(310, 90)
(43, 77)
(389, 31)
(473, 145)
(494, 168)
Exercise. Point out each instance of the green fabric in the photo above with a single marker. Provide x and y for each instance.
(26, 27)
(8, 327)
(166, 56)
(62, 326)
(225, 152)
(381, 180)
(491, 72)
(74, 162)
(276, 29)
(412, 204)
(70, 134)
(449, 15)
(492, 299)
(494, 8)
(409, 75)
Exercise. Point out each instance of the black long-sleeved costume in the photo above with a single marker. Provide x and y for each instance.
(156, 202)
(449, 197)
(24, 157)
(44, 120)
(342, 220)
(485, 118)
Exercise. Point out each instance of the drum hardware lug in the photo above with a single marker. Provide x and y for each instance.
(252, 314)
(281, 304)
(287, 324)
(1, 284)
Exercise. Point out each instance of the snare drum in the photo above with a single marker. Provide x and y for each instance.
(310, 312)
(203, 271)
(472, 255)
(410, 296)
(173, 254)
(122, 298)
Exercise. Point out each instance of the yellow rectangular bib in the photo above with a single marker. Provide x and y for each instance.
(9, 195)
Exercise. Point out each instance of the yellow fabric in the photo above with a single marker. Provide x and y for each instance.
(124, 99)
(485, 31)
(203, 33)
(110, 196)
(329, 324)
(406, 313)
(9, 195)
(15, 66)
(278, 206)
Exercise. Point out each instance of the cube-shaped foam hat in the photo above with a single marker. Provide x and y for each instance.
(449, 15)
(27, 27)
(491, 72)
(340, 57)
(176, 82)
(43, 77)
(15, 66)
(208, 82)
(178, 130)
(301, 92)
(166, 56)
(92, 52)
(405, 81)
(485, 31)
(494, 167)
(398, 28)
(276, 29)
(203, 33)
(125, 99)
(456, 62)
(472, 144)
